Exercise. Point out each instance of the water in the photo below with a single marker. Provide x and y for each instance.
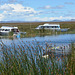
(54, 40)
(65, 38)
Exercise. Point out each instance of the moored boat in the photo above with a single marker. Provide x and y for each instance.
(4, 30)
(49, 26)
(52, 27)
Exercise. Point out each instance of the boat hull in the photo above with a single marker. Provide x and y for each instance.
(4, 33)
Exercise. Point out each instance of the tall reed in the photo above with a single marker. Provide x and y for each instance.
(26, 59)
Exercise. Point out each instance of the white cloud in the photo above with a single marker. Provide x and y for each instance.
(16, 8)
(39, 19)
(15, 1)
(6, 7)
(70, 3)
(47, 7)
(49, 18)
(61, 18)
(17, 11)
(50, 7)
(1, 17)
(12, 1)
(60, 6)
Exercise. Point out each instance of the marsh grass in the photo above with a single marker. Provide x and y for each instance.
(26, 59)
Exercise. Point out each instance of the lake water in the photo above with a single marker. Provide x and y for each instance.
(64, 38)
(54, 40)
(57, 44)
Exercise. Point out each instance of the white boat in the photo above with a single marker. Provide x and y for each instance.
(4, 30)
(49, 26)
(52, 27)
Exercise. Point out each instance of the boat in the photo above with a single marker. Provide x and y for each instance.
(49, 26)
(52, 27)
(4, 30)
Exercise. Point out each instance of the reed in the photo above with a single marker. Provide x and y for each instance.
(26, 59)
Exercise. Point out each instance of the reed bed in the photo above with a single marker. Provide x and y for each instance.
(27, 59)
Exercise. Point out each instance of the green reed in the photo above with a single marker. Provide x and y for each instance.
(27, 59)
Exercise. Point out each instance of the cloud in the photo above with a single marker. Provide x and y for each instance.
(12, 7)
(16, 1)
(39, 19)
(61, 18)
(12, 1)
(69, 14)
(6, 7)
(1, 17)
(49, 18)
(70, 3)
(17, 11)
(60, 6)
(52, 18)
(49, 7)
(17, 8)
(48, 12)
(46, 7)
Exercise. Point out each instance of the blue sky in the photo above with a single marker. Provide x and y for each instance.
(36, 10)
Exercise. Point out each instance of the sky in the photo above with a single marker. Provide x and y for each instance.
(37, 10)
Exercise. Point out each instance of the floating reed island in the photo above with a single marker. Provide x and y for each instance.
(30, 30)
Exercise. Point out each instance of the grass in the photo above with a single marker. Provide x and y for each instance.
(24, 59)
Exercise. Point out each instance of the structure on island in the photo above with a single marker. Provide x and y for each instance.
(51, 27)
(5, 30)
